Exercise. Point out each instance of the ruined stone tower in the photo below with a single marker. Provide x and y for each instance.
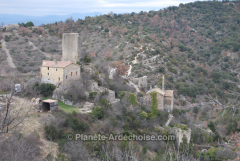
(71, 46)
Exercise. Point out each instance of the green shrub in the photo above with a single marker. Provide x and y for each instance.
(92, 94)
(51, 133)
(143, 114)
(144, 149)
(46, 89)
(161, 69)
(29, 24)
(31, 64)
(132, 99)
(195, 110)
(97, 112)
(121, 57)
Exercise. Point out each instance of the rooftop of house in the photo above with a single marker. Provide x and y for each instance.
(56, 64)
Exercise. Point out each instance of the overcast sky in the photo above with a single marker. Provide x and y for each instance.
(64, 7)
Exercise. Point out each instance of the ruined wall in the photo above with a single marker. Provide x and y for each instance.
(71, 47)
(179, 133)
(52, 74)
(70, 73)
(168, 103)
(159, 98)
(142, 82)
(160, 101)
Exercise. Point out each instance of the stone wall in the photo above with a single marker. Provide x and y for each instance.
(141, 82)
(179, 133)
(51, 74)
(160, 99)
(168, 103)
(70, 73)
(71, 47)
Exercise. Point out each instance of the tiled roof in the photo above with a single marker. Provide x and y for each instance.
(60, 64)
(158, 90)
(168, 92)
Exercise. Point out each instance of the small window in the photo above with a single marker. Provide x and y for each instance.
(76, 73)
(48, 73)
(58, 78)
(66, 77)
(48, 68)
(71, 73)
(56, 69)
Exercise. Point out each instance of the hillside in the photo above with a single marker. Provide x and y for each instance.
(196, 47)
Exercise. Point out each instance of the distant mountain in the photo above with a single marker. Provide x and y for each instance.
(38, 20)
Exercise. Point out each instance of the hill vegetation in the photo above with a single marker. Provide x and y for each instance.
(195, 45)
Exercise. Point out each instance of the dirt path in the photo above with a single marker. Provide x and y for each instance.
(9, 57)
(36, 48)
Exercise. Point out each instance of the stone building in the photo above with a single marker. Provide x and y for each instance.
(59, 72)
(164, 97)
(71, 47)
(141, 82)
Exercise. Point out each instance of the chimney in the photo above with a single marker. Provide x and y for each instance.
(163, 84)
(55, 62)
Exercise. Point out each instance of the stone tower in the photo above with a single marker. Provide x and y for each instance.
(71, 46)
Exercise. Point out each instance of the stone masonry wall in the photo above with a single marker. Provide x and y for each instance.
(168, 103)
(71, 72)
(53, 74)
(71, 47)
(159, 98)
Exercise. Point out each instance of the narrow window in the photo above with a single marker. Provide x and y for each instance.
(71, 73)
(48, 68)
(66, 77)
(76, 73)
(48, 73)
(56, 69)
(58, 78)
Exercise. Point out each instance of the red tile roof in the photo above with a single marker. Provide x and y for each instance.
(60, 64)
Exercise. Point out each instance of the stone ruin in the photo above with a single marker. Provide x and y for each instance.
(95, 88)
(71, 47)
(141, 82)
(202, 129)
(179, 133)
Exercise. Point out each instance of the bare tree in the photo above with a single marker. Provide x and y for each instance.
(10, 116)
(76, 91)
(18, 147)
(70, 23)
(111, 13)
